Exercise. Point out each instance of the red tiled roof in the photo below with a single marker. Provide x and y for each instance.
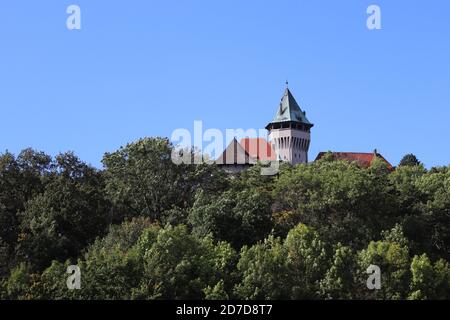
(363, 159)
(258, 148)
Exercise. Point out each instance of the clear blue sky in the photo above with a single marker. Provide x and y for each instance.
(145, 68)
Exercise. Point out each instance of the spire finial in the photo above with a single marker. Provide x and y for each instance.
(287, 84)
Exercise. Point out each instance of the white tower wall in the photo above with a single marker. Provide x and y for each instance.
(291, 145)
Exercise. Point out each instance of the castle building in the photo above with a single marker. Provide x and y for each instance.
(290, 131)
(289, 138)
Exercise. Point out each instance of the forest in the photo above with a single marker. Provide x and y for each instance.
(143, 227)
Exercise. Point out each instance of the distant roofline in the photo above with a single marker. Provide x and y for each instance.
(374, 153)
(353, 152)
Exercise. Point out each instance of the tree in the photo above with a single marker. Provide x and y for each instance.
(433, 223)
(217, 292)
(307, 260)
(51, 284)
(342, 201)
(340, 279)
(178, 265)
(69, 214)
(404, 182)
(264, 271)
(283, 270)
(393, 261)
(110, 267)
(4, 259)
(18, 284)
(124, 236)
(409, 160)
(239, 217)
(143, 180)
(148, 228)
(396, 235)
(109, 274)
(428, 281)
(21, 178)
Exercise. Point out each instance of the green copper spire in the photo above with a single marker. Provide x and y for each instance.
(289, 110)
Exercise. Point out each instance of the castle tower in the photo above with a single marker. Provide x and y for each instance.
(290, 131)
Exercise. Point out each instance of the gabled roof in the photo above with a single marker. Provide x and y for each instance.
(363, 159)
(289, 110)
(248, 152)
(235, 154)
(258, 148)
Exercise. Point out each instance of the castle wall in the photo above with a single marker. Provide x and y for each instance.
(291, 145)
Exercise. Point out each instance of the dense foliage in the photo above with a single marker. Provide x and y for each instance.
(146, 228)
